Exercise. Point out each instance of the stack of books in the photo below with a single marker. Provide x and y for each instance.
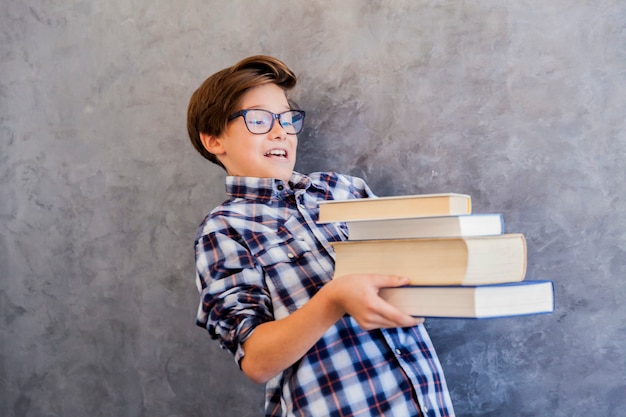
(459, 264)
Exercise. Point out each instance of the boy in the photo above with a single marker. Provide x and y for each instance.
(323, 346)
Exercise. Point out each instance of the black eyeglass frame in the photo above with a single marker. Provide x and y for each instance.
(274, 118)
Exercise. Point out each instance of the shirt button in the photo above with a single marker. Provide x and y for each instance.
(398, 351)
(290, 255)
(280, 187)
(302, 206)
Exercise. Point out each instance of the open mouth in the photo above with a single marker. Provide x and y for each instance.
(276, 153)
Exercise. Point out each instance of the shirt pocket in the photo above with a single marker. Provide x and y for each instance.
(285, 244)
(281, 251)
(285, 257)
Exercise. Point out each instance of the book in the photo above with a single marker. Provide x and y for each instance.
(487, 301)
(419, 205)
(416, 227)
(437, 261)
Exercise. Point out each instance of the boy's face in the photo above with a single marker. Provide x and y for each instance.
(244, 154)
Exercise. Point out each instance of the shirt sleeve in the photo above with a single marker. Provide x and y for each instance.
(361, 189)
(346, 187)
(233, 296)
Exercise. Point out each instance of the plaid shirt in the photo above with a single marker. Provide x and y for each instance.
(260, 256)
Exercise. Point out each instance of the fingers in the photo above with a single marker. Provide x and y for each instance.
(358, 296)
(381, 322)
(381, 314)
(396, 318)
(393, 314)
(382, 281)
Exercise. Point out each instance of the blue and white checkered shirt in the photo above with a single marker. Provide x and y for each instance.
(260, 256)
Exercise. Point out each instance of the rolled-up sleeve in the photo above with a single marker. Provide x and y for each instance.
(233, 296)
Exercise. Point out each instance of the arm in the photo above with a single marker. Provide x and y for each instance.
(276, 345)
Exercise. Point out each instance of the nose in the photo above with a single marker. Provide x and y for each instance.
(278, 131)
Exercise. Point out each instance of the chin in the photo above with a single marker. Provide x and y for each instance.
(285, 175)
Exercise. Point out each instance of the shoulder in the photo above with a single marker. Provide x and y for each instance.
(341, 186)
(223, 219)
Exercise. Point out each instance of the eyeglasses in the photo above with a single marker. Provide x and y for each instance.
(260, 121)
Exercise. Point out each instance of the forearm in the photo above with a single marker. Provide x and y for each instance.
(276, 345)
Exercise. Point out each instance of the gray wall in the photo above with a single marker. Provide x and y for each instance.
(520, 104)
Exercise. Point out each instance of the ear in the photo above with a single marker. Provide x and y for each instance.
(212, 144)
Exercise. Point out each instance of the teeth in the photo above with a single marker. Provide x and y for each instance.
(277, 152)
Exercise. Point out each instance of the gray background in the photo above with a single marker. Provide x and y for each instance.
(520, 104)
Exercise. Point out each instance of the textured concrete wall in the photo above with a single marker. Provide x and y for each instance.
(520, 104)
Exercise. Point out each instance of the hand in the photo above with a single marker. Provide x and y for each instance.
(357, 295)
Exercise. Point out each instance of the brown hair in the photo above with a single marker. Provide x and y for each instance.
(220, 94)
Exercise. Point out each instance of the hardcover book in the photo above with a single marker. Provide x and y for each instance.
(437, 261)
(419, 205)
(486, 301)
(421, 227)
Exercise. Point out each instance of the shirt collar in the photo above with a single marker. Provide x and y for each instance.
(252, 188)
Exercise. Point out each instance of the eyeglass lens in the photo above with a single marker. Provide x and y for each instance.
(262, 121)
